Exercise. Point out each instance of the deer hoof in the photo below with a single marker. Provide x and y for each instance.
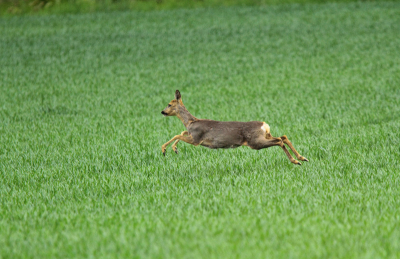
(176, 151)
(302, 158)
(296, 162)
(163, 153)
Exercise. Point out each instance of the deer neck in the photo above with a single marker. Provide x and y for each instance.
(184, 115)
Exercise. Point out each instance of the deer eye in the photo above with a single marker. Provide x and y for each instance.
(169, 105)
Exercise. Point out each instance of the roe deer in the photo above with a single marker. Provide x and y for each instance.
(224, 134)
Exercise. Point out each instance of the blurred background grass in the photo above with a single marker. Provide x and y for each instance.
(17, 7)
(81, 169)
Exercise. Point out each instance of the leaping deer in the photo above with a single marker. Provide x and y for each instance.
(224, 134)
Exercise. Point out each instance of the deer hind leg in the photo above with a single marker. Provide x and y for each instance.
(176, 141)
(187, 139)
(263, 142)
(287, 142)
(284, 140)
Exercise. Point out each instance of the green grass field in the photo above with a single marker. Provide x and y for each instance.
(81, 169)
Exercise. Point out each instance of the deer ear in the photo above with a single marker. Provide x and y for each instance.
(178, 95)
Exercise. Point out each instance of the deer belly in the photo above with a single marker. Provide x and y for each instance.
(222, 143)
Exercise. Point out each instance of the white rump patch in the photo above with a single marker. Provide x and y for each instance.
(265, 128)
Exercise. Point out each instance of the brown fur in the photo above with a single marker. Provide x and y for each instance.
(224, 134)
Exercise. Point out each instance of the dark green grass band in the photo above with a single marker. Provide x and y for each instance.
(15, 7)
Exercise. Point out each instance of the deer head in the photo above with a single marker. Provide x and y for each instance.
(173, 106)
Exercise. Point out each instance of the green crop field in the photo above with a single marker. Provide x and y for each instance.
(81, 169)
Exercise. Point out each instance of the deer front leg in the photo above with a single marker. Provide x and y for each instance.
(187, 139)
(176, 141)
(287, 142)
